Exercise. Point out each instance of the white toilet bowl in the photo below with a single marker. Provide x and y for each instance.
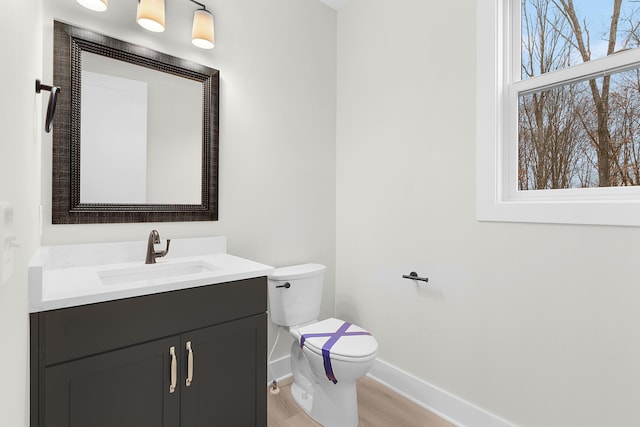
(329, 395)
(327, 356)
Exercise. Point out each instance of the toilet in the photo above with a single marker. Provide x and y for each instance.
(327, 356)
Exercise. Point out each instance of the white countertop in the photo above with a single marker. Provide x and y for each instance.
(70, 275)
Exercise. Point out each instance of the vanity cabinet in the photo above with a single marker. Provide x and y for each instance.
(128, 362)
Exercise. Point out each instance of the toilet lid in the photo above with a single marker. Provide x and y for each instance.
(346, 346)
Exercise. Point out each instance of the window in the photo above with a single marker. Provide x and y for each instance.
(558, 111)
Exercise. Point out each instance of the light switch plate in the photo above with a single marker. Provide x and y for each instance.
(7, 242)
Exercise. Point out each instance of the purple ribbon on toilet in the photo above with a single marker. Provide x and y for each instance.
(326, 348)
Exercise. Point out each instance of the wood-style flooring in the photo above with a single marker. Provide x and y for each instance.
(377, 407)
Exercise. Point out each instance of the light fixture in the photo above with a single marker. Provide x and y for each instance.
(202, 34)
(97, 5)
(150, 15)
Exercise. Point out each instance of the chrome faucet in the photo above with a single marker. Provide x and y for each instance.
(152, 254)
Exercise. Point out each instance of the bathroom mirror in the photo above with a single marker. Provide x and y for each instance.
(135, 138)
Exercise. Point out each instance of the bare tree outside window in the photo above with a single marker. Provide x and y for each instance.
(584, 133)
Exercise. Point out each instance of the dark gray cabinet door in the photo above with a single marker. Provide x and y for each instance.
(108, 364)
(127, 387)
(229, 375)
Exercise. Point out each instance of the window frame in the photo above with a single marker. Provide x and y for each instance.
(498, 85)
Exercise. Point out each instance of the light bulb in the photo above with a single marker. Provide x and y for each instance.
(97, 5)
(150, 15)
(202, 34)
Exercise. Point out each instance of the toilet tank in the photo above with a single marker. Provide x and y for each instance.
(299, 301)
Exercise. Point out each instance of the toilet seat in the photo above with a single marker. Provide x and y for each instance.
(349, 348)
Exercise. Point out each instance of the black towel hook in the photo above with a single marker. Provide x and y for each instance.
(51, 107)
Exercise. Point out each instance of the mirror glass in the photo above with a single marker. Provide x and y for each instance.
(141, 134)
(135, 137)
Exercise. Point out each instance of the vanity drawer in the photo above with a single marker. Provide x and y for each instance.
(77, 332)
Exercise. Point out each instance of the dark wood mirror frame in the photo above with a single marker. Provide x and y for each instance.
(69, 43)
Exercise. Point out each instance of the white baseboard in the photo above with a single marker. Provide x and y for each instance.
(432, 398)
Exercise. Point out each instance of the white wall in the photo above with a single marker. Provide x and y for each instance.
(277, 143)
(538, 324)
(21, 124)
(277, 63)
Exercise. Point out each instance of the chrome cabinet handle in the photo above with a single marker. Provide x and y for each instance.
(189, 364)
(174, 370)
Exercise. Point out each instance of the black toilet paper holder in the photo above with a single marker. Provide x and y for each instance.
(414, 276)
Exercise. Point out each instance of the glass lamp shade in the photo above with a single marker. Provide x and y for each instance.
(97, 5)
(202, 34)
(151, 15)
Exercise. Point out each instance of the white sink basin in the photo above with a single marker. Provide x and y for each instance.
(72, 275)
(156, 271)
